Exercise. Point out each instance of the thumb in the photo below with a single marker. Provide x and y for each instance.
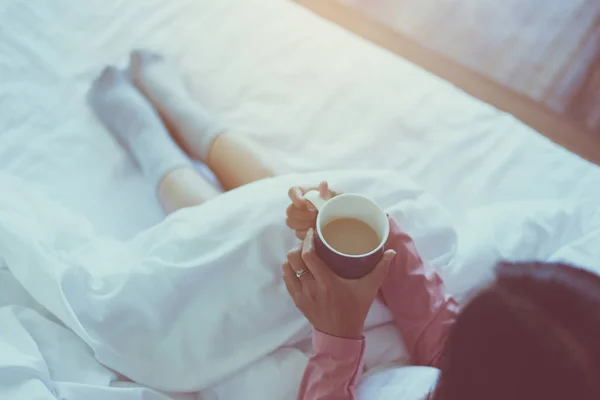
(379, 273)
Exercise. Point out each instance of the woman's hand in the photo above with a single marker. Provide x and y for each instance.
(301, 214)
(333, 305)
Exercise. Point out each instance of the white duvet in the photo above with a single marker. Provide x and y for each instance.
(196, 304)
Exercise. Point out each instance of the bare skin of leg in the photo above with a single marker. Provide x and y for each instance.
(234, 160)
(184, 187)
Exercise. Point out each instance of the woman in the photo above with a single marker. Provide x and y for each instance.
(532, 334)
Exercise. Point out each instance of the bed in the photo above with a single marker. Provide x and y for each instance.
(313, 95)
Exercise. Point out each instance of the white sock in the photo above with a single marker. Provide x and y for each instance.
(193, 125)
(132, 119)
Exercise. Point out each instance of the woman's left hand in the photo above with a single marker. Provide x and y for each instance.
(333, 305)
(301, 214)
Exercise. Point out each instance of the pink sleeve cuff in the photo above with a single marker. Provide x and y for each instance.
(337, 347)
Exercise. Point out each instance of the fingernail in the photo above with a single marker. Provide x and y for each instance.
(310, 231)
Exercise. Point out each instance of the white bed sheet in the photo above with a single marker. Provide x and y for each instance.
(310, 92)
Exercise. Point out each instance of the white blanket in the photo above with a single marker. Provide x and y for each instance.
(197, 303)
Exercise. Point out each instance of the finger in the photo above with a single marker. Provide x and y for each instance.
(301, 234)
(292, 283)
(296, 194)
(312, 261)
(300, 213)
(387, 258)
(377, 276)
(305, 189)
(295, 260)
(292, 257)
(324, 191)
(297, 224)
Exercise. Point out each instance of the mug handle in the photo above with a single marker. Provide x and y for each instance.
(315, 198)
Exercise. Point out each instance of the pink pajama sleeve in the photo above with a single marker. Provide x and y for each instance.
(422, 312)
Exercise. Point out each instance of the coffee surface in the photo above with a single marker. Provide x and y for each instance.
(350, 236)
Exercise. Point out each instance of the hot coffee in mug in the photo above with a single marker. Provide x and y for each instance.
(351, 231)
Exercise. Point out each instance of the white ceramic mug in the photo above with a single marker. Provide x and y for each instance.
(349, 206)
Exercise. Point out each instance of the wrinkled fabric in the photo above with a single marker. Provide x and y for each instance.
(197, 304)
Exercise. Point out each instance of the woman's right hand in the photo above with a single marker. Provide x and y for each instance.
(333, 305)
(301, 214)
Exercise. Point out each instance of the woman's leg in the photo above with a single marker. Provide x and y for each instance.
(234, 160)
(130, 117)
(184, 187)
(134, 121)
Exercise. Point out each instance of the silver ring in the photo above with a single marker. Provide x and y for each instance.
(301, 272)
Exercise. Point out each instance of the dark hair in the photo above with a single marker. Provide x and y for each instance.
(533, 334)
